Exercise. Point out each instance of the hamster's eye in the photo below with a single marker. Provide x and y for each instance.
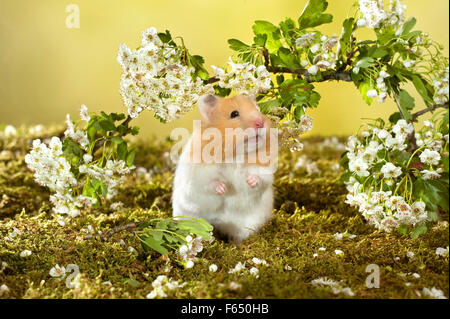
(234, 114)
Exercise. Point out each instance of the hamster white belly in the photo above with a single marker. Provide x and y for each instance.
(237, 213)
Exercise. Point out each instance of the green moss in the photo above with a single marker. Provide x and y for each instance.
(309, 210)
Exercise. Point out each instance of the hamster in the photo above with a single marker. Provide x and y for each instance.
(234, 190)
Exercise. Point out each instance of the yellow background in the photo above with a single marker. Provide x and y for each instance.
(48, 70)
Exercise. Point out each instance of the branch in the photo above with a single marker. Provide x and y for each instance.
(129, 227)
(429, 109)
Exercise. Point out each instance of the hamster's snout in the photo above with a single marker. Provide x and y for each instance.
(259, 122)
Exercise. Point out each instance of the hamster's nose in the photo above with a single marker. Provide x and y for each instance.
(259, 122)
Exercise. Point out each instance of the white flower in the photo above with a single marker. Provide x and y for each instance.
(408, 63)
(322, 249)
(305, 124)
(430, 175)
(382, 97)
(403, 128)
(384, 74)
(189, 264)
(10, 131)
(213, 268)
(3, 289)
(258, 261)
(313, 69)
(338, 236)
(359, 167)
(84, 115)
(305, 40)
(25, 253)
(434, 293)
(239, 266)
(339, 252)
(383, 134)
(372, 93)
(361, 23)
(443, 252)
(162, 285)
(254, 271)
(234, 286)
(57, 271)
(389, 170)
(87, 158)
(314, 48)
(430, 157)
(410, 254)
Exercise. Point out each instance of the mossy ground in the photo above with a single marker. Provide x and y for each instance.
(309, 210)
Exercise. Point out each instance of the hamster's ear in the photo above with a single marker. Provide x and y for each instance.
(207, 104)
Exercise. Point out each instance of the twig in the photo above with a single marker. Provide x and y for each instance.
(129, 227)
(429, 109)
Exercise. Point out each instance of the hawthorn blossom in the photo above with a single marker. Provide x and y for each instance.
(213, 268)
(244, 78)
(239, 267)
(389, 170)
(163, 285)
(25, 253)
(443, 252)
(154, 78)
(57, 271)
(254, 271)
(187, 252)
(430, 157)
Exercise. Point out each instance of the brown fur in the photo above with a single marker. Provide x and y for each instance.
(220, 119)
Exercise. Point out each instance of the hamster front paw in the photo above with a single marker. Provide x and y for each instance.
(252, 180)
(219, 188)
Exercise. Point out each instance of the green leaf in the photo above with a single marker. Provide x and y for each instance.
(364, 62)
(363, 88)
(133, 283)
(72, 151)
(151, 243)
(130, 157)
(237, 45)
(421, 89)
(272, 32)
(433, 193)
(403, 229)
(288, 58)
(165, 37)
(117, 140)
(408, 25)
(260, 40)
(313, 15)
(91, 132)
(287, 26)
(419, 230)
(405, 103)
(346, 38)
(122, 151)
(107, 125)
(432, 216)
(267, 105)
(395, 117)
(379, 52)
